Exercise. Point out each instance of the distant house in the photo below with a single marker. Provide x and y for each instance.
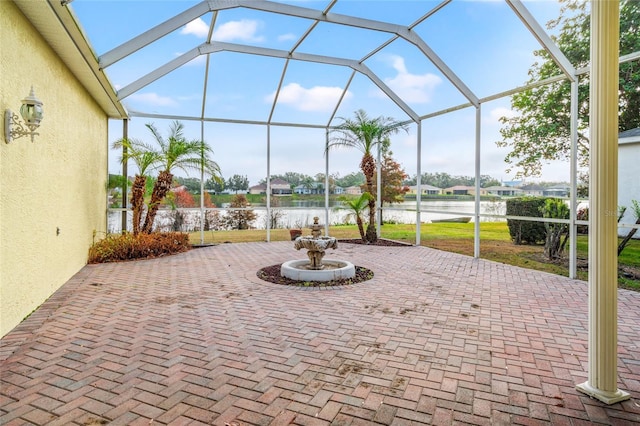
(278, 187)
(628, 175)
(338, 190)
(532, 190)
(560, 191)
(503, 191)
(311, 189)
(425, 190)
(463, 190)
(353, 190)
(258, 189)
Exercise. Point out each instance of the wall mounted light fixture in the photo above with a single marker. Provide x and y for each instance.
(31, 112)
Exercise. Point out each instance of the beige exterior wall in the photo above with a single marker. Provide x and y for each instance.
(58, 182)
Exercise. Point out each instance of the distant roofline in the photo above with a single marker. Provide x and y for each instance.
(629, 136)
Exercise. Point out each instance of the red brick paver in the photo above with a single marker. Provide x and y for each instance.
(197, 338)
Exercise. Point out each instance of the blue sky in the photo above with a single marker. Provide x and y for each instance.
(483, 42)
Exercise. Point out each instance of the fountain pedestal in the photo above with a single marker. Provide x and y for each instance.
(315, 249)
(315, 259)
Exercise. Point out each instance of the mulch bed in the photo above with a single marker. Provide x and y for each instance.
(272, 273)
(379, 242)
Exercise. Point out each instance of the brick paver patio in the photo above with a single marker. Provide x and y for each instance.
(197, 338)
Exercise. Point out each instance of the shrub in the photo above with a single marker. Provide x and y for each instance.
(555, 208)
(239, 219)
(127, 246)
(523, 231)
(583, 214)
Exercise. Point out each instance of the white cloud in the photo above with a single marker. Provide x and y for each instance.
(499, 112)
(243, 30)
(152, 99)
(196, 27)
(195, 97)
(318, 98)
(416, 88)
(287, 37)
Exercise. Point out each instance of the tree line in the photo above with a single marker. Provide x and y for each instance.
(238, 183)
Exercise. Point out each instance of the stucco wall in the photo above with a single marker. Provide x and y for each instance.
(52, 191)
(628, 181)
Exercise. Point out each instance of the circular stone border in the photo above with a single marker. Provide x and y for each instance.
(272, 274)
(337, 270)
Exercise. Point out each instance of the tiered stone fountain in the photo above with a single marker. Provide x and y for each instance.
(317, 269)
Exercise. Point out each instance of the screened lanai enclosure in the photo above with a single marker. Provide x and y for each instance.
(264, 83)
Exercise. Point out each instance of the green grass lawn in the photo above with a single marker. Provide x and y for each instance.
(495, 244)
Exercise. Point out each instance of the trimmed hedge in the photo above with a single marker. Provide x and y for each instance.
(119, 247)
(524, 231)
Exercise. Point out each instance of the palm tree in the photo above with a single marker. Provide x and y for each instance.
(357, 207)
(145, 157)
(176, 153)
(365, 134)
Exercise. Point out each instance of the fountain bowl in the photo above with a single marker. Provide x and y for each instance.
(332, 270)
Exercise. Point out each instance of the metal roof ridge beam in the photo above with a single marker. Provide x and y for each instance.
(140, 114)
(275, 53)
(149, 36)
(334, 18)
(414, 39)
(214, 47)
(390, 93)
(159, 72)
(543, 38)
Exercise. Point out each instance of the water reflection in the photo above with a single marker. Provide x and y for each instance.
(300, 214)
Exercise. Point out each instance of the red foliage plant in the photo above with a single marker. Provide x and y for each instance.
(183, 198)
(207, 200)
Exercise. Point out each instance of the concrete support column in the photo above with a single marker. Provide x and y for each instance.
(603, 200)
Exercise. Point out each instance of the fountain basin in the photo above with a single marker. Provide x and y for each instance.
(332, 270)
(315, 243)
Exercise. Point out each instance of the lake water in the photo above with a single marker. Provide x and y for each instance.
(302, 214)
